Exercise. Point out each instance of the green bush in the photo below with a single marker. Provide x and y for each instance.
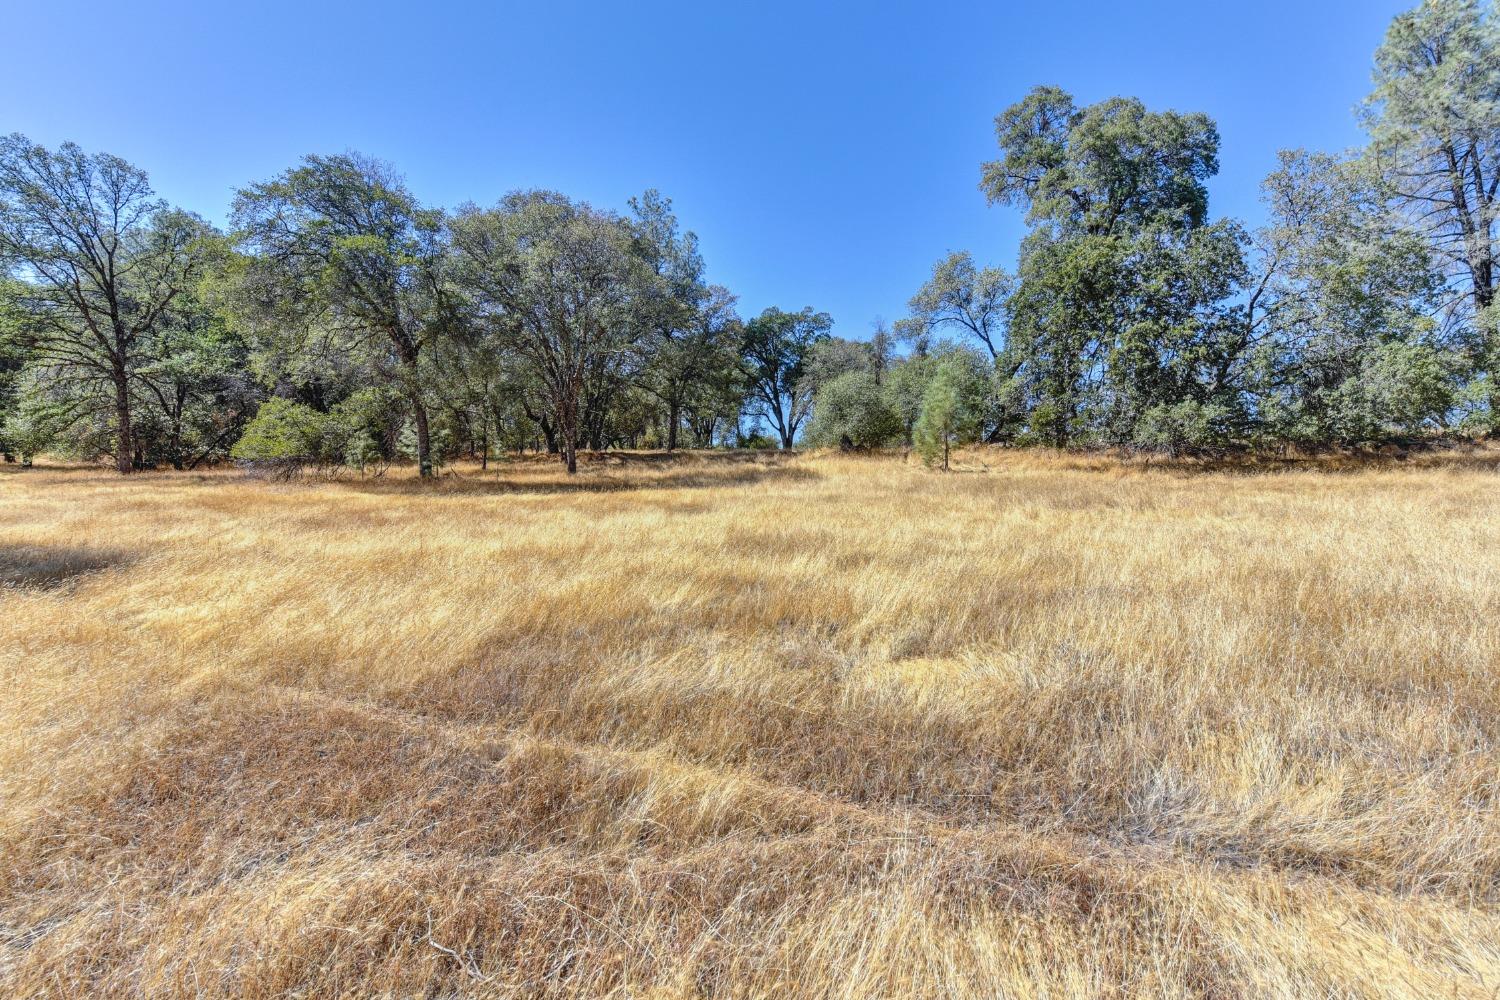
(285, 436)
(851, 411)
(1185, 426)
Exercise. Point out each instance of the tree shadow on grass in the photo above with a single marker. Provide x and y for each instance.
(1454, 456)
(615, 473)
(52, 567)
(1333, 463)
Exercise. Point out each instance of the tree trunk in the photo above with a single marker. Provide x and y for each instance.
(124, 454)
(673, 416)
(424, 440)
(570, 444)
(549, 435)
(176, 440)
(568, 431)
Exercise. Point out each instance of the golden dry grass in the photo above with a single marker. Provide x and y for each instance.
(819, 727)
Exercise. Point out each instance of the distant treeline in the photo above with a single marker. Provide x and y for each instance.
(341, 322)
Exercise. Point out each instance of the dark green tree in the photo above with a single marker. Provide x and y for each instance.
(775, 352)
(342, 259)
(1121, 302)
(689, 356)
(560, 282)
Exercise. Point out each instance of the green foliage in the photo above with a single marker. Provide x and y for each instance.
(1392, 390)
(755, 441)
(1434, 122)
(43, 417)
(775, 352)
(1106, 168)
(852, 411)
(284, 431)
(689, 361)
(1122, 302)
(341, 260)
(1350, 352)
(14, 354)
(906, 382)
(1363, 311)
(566, 286)
(1188, 425)
(962, 296)
(101, 262)
(904, 387)
(953, 406)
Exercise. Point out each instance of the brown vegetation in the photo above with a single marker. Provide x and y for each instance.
(755, 727)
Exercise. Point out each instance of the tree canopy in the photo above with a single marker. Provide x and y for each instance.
(343, 322)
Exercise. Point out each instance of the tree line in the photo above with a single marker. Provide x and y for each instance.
(338, 321)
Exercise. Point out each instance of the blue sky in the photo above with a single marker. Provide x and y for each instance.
(825, 154)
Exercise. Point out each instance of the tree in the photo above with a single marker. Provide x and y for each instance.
(1351, 353)
(1177, 340)
(100, 259)
(1100, 169)
(558, 280)
(775, 352)
(341, 252)
(1434, 123)
(285, 435)
(952, 408)
(194, 387)
(1121, 303)
(42, 417)
(693, 332)
(851, 411)
(1434, 120)
(715, 381)
(966, 297)
(831, 357)
(1063, 325)
(14, 355)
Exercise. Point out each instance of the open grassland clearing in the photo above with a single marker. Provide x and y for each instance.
(754, 726)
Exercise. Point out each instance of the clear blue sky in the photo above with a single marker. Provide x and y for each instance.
(825, 155)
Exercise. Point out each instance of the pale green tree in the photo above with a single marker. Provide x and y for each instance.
(100, 260)
(963, 296)
(952, 413)
(1351, 352)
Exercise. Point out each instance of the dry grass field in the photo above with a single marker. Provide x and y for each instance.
(754, 727)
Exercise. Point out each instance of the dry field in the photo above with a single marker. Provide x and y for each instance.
(734, 727)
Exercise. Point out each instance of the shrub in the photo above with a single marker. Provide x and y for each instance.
(1185, 426)
(284, 438)
(851, 411)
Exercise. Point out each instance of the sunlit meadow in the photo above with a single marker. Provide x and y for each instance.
(754, 726)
